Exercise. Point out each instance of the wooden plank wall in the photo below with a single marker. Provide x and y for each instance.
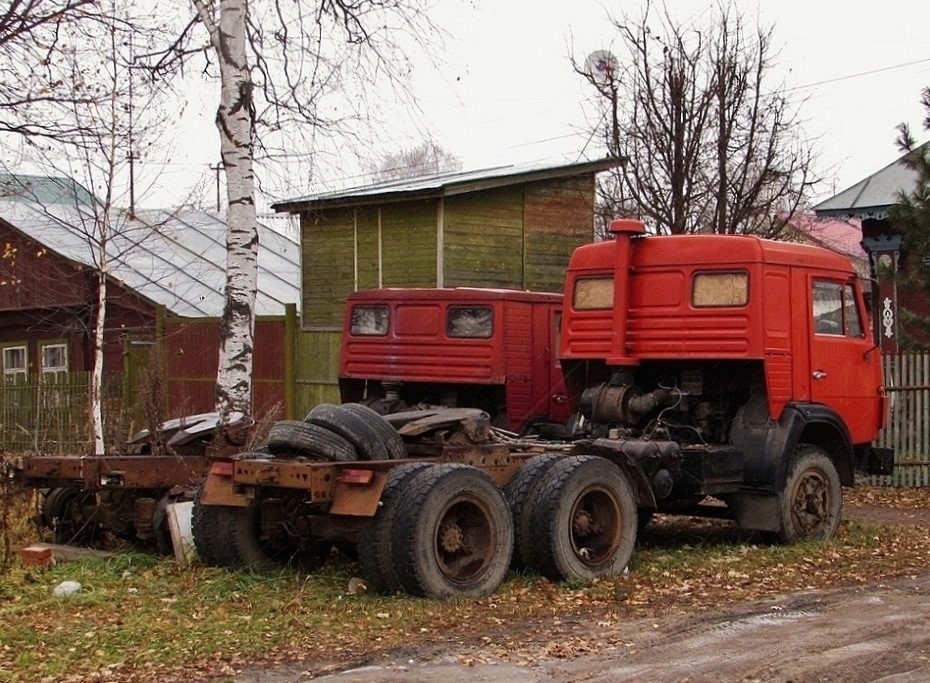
(559, 216)
(327, 267)
(408, 244)
(484, 239)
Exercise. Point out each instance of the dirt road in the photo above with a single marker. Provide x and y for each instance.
(871, 634)
(875, 633)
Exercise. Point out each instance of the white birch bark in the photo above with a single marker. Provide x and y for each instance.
(96, 391)
(235, 122)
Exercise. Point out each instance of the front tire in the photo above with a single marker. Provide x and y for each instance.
(812, 499)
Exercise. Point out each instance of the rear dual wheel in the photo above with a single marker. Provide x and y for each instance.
(581, 519)
(444, 531)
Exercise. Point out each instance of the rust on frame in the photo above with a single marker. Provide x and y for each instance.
(103, 472)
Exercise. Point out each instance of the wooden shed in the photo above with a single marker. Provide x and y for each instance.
(510, 227)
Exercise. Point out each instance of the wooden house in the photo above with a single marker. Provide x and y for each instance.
(869, 201)
(509, 227)
(165, 285)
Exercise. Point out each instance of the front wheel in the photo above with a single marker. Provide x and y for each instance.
(812, 499)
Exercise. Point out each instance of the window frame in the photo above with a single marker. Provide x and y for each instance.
(12, 374)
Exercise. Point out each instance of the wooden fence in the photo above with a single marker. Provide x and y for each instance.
(907, 379)
(50, 414)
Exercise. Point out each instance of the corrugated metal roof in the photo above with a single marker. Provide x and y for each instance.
(176, 259)
(442, 184)
(871, 197)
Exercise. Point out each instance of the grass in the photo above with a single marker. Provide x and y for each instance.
(142, 618)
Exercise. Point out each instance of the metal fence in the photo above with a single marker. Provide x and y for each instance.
(50, 413)
(907, 379)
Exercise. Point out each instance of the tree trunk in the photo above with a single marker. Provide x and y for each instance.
(96, 391)
(235, 122)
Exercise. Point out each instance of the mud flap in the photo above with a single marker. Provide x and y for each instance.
(757, 511)
(218, 488)
(873, 460)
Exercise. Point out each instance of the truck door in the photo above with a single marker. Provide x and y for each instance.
(845, 364)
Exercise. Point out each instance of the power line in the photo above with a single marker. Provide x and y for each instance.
(859, 74)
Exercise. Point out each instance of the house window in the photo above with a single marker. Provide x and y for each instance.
(14, 363)
(54, 361)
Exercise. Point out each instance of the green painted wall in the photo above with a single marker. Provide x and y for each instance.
(327, 267)
(368, 246)
(317, 369)
(558, 218)
(483, 234)
(516, 237)
(408, 238)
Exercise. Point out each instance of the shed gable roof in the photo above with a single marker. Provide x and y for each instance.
(441, 185)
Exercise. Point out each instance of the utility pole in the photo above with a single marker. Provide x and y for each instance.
(132, 157)
(217, 169)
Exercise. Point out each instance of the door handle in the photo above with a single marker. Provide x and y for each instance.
(820, 374)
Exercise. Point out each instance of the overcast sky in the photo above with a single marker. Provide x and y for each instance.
(506, 92)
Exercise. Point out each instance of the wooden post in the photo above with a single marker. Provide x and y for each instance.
(290, 361)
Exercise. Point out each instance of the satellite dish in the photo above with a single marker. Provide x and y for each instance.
(601, 66)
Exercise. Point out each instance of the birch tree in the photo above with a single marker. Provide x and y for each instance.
(235, 121)
(35, 93)
(277, 62)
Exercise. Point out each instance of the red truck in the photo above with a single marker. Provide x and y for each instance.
(704, 374)
(698, 374)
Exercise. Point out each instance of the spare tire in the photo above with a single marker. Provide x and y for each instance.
(389, 439)
(306, 439)
(355, 429)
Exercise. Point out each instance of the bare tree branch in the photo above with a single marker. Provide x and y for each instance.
(712, 143)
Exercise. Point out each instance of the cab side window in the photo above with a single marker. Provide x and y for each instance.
(835, 310)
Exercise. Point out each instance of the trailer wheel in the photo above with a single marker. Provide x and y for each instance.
(212, 527)
(359, 429)
(812, 499)
(303, 438)
(68, 517)
(518, 492)
(260, 540)
(375, 535)
(582, 519)
(50, 506)
(388, 438)
(453, 535)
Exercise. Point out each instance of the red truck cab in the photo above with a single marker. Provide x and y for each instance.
(492, 349)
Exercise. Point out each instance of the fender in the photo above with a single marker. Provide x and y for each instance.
(768, 444)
